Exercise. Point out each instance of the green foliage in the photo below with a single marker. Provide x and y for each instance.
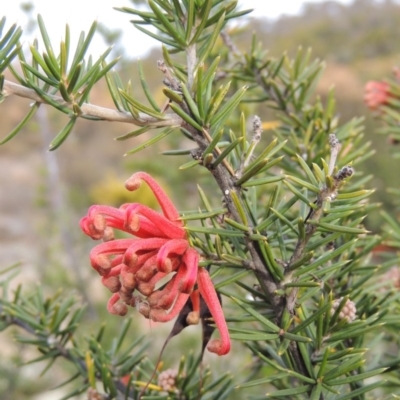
(286, 246)
(51, 324)
(9, 47)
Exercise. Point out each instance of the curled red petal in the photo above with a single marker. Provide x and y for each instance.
(116, 308)
(111, 279)
(136, 261)
(191, 264)
(160, 315)
(105, 211)
(172, 247)
(127, 296)
(148, 269)
(169, 229)
(147, 288)
(138, 224)
(128, 279)
(89, 229)
(142, 246)
(103, 217)
(166, 204)
(100, 254)
(165, 297)
(193, 316)
(223, 345)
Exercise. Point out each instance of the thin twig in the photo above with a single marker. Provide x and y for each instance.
(315, 214)
(91, 110)
(231, 45)
(172, 82)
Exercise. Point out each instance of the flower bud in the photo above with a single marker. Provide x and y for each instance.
(376, 94)
(348, 311)
(167, 379)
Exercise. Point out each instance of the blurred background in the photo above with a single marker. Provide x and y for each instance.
(43, 195)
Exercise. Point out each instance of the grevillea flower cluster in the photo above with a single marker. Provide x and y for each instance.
(135, 269)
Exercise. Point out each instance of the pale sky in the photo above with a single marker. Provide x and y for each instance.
(79, 14)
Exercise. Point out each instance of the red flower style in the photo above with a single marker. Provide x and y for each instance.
(133, 269)
(376, 94)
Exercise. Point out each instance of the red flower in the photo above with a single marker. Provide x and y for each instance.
(376, 94)
(132, 269)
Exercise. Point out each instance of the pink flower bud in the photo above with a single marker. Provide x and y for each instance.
(376, 94)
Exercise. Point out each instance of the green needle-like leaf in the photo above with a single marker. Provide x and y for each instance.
(51, 81)
(307, 170)
(185, 116)
(48, 99)
(82, 48)
(167, 25)
(236, 225)
(216, 101)
(262, 381)
(192, 105)
(271, 327)
(356, 196)
(190, 164)
(232, 279)
(63, 60)
(311, 319)
(210, 42)
(64, 93)
(172, 95)
(214, 231)
(62, 136)
(146, 88)
(289, 392)
(210, 148)
(262, 181)
(319, 173)
(159, 38)
(300, 195)
(284, 220)
(134, 133)
(251, 171)
(303, 183)
(47, 43)
(210, 71)
(38, 58)
(253, 336)
(95, 72)
(54, 69)
(139, 106)
(355, 378)
(75, 78)
(12, 36)
(190, 18)
(150, 142)
(365, 389)
(324, 258)
(224, 112)
(339, 228)
(204, 17)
